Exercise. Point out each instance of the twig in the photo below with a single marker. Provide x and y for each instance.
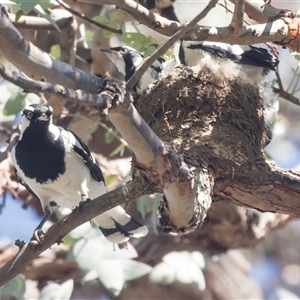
(237, 20)
(279, 81)
(38, 23)
(231, 11)
(287, 96)
(116, 135)
(56, 232)
(159, 52)
(77, 96)
(84, 17)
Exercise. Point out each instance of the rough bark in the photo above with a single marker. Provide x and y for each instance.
(218, 124)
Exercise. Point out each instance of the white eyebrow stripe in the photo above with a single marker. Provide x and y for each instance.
(30, 108)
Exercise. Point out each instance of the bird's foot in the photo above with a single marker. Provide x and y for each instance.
(38, 235)
(114, 94)
(81, 204)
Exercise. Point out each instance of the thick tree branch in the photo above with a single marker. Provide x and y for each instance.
(237, 21)
(38, 23)
(56, 232)
(77, 96)
(261, 11)
(39, 65)
(268, 32)
(276, 190)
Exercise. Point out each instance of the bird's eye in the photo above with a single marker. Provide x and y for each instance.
(29, 115)
(123, 50)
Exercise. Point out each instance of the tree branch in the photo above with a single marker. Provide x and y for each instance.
(38, 23)
(57, 231)
(237, 21)
(260, 10)
(159, 52)
(287, 96)
(268, 32)
(77, 96)
(277, 191)
(84, 17)
(39, 65)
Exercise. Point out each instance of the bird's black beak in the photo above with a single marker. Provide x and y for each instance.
(106, 50)
(43, 117)
(112, 54)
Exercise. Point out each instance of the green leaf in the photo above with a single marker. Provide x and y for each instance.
(91, 275)
(55, 51)
(186, 266)
(88, 39)
(138, 40)
(86, 252)
(295, 72)
(46, 4)
(14, 288)
(111, 274)
(110, 135)
(117, 16)
(28, 6)
(119, 149)
(134, 269)
(14, 104)
(55, 291)
(150, 50)
(162, 273)
(41, 12)
(198, 259)
(111, 23)
(296, 55)
(145, 204)
(18, 15)
(110, 179)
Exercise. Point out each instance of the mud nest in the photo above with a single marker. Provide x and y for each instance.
(207, 115)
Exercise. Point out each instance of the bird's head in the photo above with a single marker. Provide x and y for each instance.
(36, 114)
(125, 58)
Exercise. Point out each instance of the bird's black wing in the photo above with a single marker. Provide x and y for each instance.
(21, 181)
(260, 57)
(84, 152)
(255, 56)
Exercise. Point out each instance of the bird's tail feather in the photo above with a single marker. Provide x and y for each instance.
(117, 226)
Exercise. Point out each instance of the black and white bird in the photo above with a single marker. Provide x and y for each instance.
(56, 166)
(128, 60)
(256, 61)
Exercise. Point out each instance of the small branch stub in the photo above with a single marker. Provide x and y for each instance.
(293, 23)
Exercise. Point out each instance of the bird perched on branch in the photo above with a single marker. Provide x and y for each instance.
(128, 60)
(256, 61)
(56, 166)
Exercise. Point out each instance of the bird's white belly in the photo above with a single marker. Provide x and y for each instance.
(67, 190)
